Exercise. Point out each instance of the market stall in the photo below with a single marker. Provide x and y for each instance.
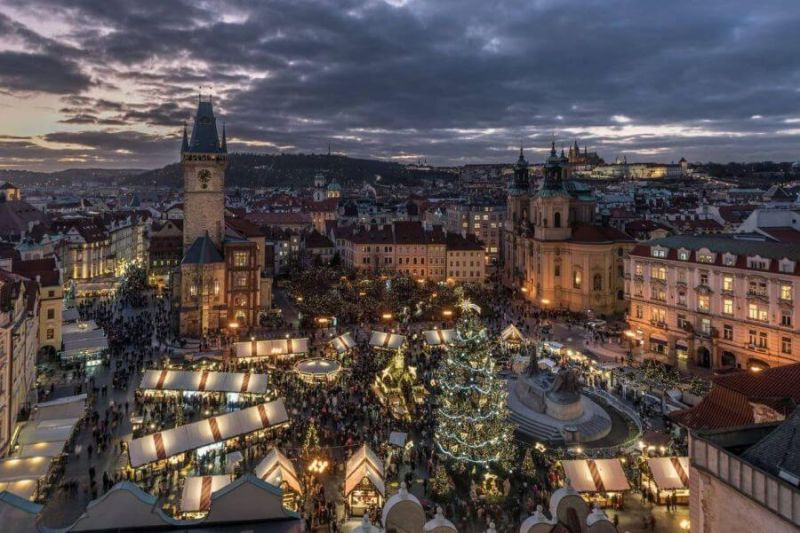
(512, 335)
(39, 444)
(203, 381)
(216, 430)
(667, 478)
(386, 341)
(276, 469)
(546, 363)
(275, 348)
(343, 343)
(439, 337)
(600, 481)
(197, 491)
(83, 342)
(318, 370)
(364, 483)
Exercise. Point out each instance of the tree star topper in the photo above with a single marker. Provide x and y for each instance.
(467, 306)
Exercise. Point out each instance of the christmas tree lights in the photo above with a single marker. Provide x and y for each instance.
(472, 426)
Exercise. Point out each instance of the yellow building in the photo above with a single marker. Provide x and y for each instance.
(555, 253)
(717, 301)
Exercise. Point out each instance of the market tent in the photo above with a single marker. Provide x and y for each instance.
(388, 341)
(596, 475)
(81, 339)
(204, 381)
(197, 491)
(21, 476)
(398, 438)
(546, 362)
(438, 337)
(343, 342)
(669, 472)
(165, 444)
(271, 347)
(70, 314)
(364, 463)
(275, 468)
(512, 334)
(18, 514)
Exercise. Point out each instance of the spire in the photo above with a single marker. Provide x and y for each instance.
(553, 147)
(185, 144)
(224, 139)
(204, 137)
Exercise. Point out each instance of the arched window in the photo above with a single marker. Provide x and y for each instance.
(597, 282)
(577, 279)
(557, 270)
(557, 220)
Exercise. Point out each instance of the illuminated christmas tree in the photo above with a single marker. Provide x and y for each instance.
(472, 427)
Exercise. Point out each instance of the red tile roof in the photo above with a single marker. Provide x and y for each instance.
(582, 232)
(729, 404)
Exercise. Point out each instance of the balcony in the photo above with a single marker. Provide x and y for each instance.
(703, 289)
(758, 295)
(659, 324)
(638, 277)
(711, 333)
(658, 281)
(727, 292)
(681, 284)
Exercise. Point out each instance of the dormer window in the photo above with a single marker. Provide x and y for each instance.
(705, 256)
(659, 252)
(683, 255)
(786, 266)
(729, 260)
(758, 263)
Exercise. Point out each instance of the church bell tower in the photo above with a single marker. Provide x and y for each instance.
(203, 162)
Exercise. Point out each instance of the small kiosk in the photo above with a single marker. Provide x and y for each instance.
(197, 491)
(364, 487)
(276, 469)
(386, 341)
(343, 343)
(439, 338)
(666, 477)
(512, 336)
(600, 481)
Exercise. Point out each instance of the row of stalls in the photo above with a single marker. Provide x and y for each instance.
(165, 381)
(40, 446)
(604, 481)
(272, 348)
(386, 341)
(83, 342)
(212, 433)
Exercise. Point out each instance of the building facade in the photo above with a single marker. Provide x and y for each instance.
(717, 301)
(19, 344)
(484, 221)
(555, 253)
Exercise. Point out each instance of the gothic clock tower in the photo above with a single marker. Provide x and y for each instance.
(203, 161)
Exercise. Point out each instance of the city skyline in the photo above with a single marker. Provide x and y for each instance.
(108, 84)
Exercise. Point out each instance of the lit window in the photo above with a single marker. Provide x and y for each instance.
(727, 283)
(683, 255)
(703, 303)
(659, 252)
(786, 292)
(727, 306)
(705, 258)
(577, 279)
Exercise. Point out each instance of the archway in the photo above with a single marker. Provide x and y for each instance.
(557, 220)
(728, 359)
(703, 357)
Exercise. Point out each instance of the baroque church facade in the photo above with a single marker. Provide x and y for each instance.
(220, 286)
(555, 251)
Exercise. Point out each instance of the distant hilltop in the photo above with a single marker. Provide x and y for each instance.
(251, 170)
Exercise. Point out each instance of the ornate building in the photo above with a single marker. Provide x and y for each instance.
(555, 253)
(221, 284)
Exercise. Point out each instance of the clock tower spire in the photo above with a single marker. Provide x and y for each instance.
(203, 162)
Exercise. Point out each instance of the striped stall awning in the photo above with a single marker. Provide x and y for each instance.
(271, 347)
(197, 491)
(596, 475)
(343, 343)
(204, 381)
(387, 341)
(165, 444)
(439, 337)
(669, 472)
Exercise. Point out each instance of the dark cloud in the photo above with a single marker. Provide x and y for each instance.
(448, 80)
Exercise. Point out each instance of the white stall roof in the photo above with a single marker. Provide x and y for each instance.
(17, 471)
(24, 488)
(343, 342)
(438, 337)
(58, 430)
(70, 314)
(165, 444)
(68, 407)
(596, 475)
(204, 381)
(271, 347)
(669, 472)
(364, 463)
(197, 491)
(275, 468)
(546, 362)
(512, 334)
(389, 341)
(40, 449)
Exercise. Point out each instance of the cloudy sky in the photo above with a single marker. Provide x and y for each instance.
(110, 82)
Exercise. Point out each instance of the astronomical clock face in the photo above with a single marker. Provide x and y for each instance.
(204, 176)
